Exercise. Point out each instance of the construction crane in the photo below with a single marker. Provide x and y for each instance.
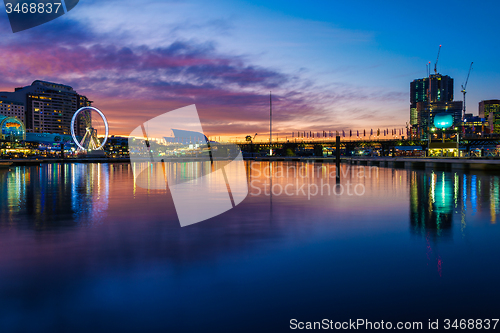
(464, 86)
(249, 138)
(437, 59)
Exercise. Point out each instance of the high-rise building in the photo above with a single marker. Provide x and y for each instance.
(49, 107)
(418, 94)
(418, 91)
(430, 96)
(490, 110)
(12, 109)
(440, 88)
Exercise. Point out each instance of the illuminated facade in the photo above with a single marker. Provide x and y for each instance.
(440, 88)
(418, 99)
(443, 120)
(11, 129)
(454, 108)
(430, 96)
(473, 125)
(117, 146)
(418, 91)
(49, 107)
(12, 109)
(490, 111)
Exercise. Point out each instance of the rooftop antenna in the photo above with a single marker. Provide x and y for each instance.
(437, 59)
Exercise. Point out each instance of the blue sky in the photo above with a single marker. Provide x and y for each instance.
(331, 65)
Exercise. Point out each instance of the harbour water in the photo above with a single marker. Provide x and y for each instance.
(82, 248)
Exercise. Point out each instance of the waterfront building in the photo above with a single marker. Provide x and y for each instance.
(48, 107)
(474, 125)
(454, 108)
(116, 146)
(12, 109)
(425, 113)
(430, 96)
(490, 110)
(11, 129)
(49, 138)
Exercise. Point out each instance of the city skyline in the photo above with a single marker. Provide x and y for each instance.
(249, 166)
(329, 72)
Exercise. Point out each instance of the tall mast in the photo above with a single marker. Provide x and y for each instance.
(270, 123)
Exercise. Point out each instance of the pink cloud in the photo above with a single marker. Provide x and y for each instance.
(133, 84)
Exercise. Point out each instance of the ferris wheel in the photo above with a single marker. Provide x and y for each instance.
(92, 128)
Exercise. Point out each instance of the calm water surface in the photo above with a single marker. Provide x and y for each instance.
(82, 249)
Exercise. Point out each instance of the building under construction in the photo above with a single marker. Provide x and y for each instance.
(430, 96)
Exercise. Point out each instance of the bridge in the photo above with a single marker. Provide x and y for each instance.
(385, 145)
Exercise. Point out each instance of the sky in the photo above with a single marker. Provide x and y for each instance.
(331, 65)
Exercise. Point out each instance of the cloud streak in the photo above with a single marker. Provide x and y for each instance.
(133, 82)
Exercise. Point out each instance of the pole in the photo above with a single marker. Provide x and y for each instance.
(270, 124)
(442, 148)
(463, 116)
(428, 106)
(337, 155)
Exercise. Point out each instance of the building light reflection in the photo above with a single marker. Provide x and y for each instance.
(51, 194)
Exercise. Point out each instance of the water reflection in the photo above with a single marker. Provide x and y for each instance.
(437, 199)
(141, 271)
(442, 201)
(431, 207)
(54, 195)
(70, 194)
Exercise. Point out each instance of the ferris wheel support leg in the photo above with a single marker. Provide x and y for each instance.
(90, 139)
